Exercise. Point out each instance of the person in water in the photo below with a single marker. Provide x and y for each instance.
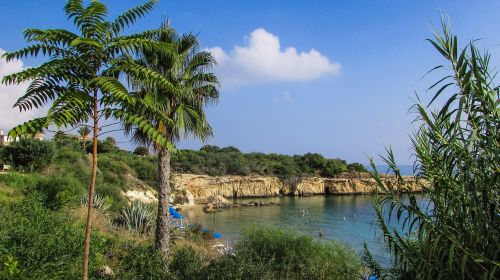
(321, 233)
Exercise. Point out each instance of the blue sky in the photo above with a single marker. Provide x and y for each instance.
(347, 98)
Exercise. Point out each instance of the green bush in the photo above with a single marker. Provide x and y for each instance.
(20, 181)
(290, 255)
(137, 261)
(44, 243)
(145, 170)
(186, 264)
(272, 253)
(356, 167)
(29, 154)
(59, 190)
(141, 151)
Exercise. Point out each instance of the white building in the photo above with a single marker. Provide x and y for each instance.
(5, 139)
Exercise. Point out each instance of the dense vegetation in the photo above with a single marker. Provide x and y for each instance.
(42, 216)
(455, 233)
(28, 155)
(213, 160)
(272, 253)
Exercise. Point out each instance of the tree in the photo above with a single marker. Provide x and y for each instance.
(188, 70)
(109, 145)
(356, 167)
(84, 133)
(455, 233)
(82, 78)
(59, 136)
(29, 154)
(141, 151)
(210, 148)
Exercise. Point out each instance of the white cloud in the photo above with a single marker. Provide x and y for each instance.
(9, 116)
(262, 60)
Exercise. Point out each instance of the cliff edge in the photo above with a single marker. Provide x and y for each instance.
(204, 186)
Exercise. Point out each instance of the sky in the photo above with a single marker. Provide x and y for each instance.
(329, 77)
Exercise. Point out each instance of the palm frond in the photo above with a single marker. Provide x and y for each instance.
(132, 15)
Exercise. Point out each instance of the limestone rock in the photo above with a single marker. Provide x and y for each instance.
(209, 208)
(204, 186)
(218, 201)
(184, 198)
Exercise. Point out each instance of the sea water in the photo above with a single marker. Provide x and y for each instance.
(347, 218)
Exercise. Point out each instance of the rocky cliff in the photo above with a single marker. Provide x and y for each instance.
(203, 186)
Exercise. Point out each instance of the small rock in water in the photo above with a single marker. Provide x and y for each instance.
(218, 201)
(209, 208)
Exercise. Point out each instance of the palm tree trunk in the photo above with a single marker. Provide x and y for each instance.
(162, 230)
(88, 227)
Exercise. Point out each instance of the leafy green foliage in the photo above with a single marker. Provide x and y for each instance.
(141, 151)
(138, 261)
(213, 160)
(58, 191)
(356, 167)
(271, 253)
(44, 244)
(29, 154)
(109, 145)
(456, 232)
(186, 264)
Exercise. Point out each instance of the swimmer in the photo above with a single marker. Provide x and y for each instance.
(320, 233)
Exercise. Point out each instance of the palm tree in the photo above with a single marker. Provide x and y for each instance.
(84, 133)
(188, 69)
(81, 78)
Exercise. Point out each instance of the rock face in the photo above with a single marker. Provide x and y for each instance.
(204, 186)
(183, 198)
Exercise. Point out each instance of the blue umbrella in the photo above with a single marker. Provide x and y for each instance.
(174, 213)
(216, 235)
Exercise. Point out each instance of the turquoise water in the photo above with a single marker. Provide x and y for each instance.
(350, 219)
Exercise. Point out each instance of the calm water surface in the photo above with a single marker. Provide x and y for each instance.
(350, 219)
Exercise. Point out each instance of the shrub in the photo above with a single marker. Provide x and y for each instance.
(29, 154)
(141, 151)
(137, 261)
(145, 170)
(108, 145)
(271, 253)
(186, 264)
(58, 190)
(356, 167)
(44, 243)
(290, 255)
(20, 181)
(113, 193)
